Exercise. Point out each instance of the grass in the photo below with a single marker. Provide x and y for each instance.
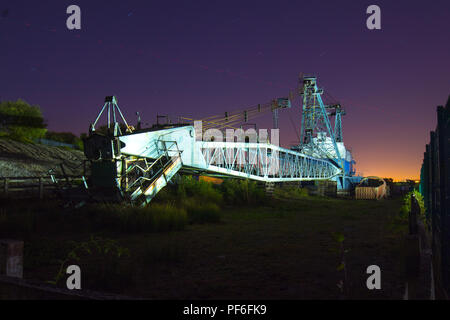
(203, 200)
(153, 218)
(103, 264)
(18, 219)
(187, 247)
(199, 212)
(167, 251)
(284, 251)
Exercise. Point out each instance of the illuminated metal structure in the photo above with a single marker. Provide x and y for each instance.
(317, 138)
(135, 165)
(339, 112)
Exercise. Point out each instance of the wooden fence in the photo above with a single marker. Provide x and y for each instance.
(35, 186)
(435, 188)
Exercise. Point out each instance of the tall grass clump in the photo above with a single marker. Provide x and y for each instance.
(154, 218)
(242, 192)
(205, 191)
(200, 199)
(201, 212)
(291, 193)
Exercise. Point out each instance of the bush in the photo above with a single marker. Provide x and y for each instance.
(400, 221)
(237, 192)
(406, 208)
(24, 122)
(202, 190)
(291, 193)
(200, 199)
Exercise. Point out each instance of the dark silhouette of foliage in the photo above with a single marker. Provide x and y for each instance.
(65, 137)
(21, 121)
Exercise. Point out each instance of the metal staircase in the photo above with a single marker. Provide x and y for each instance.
(149, 177)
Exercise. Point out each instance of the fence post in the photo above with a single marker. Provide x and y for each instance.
(5, 185)
(41, 188)
(413, 214)
(412, 262)
(11, 258)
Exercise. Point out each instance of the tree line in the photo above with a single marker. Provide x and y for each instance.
(23, 122)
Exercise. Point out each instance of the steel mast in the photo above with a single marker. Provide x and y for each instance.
(315, 125)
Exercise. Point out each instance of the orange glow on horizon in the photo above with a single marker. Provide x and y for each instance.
(396, 178)
(389, 162)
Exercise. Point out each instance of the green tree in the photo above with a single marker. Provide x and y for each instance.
(21, 121)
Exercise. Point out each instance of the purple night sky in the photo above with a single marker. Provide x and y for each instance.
(200, 58)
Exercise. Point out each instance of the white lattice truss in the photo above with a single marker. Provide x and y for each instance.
(256, 161)
(264, 162)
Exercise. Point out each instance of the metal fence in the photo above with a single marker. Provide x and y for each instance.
(435, 188)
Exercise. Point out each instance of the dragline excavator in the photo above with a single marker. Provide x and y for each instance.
(134, 164)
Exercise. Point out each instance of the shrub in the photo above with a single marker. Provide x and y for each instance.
(291, 193)
(406, 208)
(192, 188)
(237, 192)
